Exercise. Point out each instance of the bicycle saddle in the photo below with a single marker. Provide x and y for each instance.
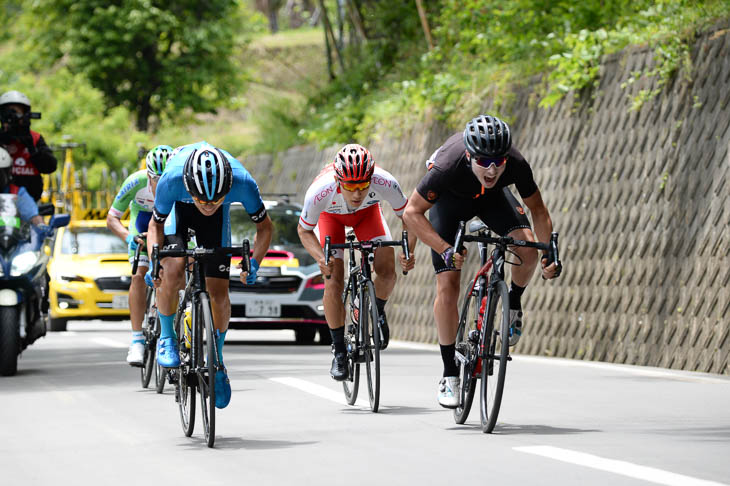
(477, 226)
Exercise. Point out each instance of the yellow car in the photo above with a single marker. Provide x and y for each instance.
(89, 274)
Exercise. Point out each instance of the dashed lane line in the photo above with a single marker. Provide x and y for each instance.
(650, 474)
(311, 388)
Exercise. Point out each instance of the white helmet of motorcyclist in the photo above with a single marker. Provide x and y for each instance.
(6, 161)
(14, 97)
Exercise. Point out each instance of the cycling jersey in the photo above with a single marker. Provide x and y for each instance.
(450, 171)
(135, 194)
(457, 195)
(324, 196)
(171, 188)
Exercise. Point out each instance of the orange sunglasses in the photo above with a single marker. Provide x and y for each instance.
(208, 203)
(355, 186)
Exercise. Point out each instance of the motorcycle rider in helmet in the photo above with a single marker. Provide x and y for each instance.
(29, 152)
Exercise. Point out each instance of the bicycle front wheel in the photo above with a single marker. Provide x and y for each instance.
(351, 385)
(467, 355)
(495, 354)
(185, 384)
(207, 365)
(150, 341)
(370, 332)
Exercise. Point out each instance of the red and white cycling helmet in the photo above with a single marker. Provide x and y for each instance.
(353, 163)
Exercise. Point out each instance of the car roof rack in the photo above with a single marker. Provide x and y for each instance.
(284, 196)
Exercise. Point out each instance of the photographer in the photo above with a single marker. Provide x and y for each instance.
(31, 156)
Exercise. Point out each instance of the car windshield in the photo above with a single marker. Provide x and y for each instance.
(285, 219)
(91, 241)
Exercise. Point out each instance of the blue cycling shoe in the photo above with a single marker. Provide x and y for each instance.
(168, 355)
(222, 389)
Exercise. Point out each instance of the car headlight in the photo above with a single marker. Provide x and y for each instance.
(23, 262)
(69, 278)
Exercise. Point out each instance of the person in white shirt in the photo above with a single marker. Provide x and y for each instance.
(347, 193)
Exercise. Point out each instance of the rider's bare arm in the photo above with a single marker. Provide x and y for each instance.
(115, 226)
(264, 231)
(415, 219)
(543, 227)
(311, 244)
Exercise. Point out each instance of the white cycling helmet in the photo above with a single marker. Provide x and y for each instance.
(6, 161)
(14, 97)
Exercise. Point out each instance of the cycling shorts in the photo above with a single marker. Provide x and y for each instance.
(499, 210)
(207, 235)
(368, 224)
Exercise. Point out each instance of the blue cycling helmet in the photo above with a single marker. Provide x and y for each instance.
(157, 159)
(207, 174)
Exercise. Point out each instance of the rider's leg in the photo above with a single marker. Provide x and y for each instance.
(173, 280)
(446, 314)
(137, 298)
(385, 272)
(334, 311)
(137, 301)
(521, 274)
(220, 305)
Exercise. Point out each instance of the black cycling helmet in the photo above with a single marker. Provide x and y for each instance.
(207, 174)
(487, 136)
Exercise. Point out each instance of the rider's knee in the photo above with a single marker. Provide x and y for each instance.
(447, 286)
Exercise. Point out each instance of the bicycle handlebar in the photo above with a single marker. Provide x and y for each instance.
(367, 246)
(551, 247)
(196, 253)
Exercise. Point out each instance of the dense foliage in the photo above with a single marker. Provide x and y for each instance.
(484, 48)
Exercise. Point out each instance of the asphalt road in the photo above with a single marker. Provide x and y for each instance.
(76, 414)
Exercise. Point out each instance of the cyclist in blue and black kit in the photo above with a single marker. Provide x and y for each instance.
(196, 191)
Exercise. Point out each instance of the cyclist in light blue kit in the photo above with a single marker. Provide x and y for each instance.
(196, 191)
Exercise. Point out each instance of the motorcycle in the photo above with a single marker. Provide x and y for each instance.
(23, 280)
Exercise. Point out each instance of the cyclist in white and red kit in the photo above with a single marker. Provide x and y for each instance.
(347, 193)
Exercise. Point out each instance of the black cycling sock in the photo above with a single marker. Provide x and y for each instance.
(515, 296)
(338, 339)
(448, 355)
(380, 304)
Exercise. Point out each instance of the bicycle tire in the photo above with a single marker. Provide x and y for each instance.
(494, 368)
(150, 343)
(161, 373)
(371, 340)
(207, 365)
(352, 384)
(467, 370)
(186, 380)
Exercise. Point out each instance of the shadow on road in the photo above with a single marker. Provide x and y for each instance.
(237, 443)
(513, 429)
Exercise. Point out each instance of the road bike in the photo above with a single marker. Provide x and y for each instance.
(482, 339)
(150, 331)
(198, 346)
(363, 336)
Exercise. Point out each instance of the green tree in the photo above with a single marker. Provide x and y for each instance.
(156, 57)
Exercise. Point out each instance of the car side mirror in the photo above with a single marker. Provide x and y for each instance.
(59, 220)
(47, 209)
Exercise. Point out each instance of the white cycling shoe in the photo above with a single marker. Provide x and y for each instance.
(448, 395)
(515, 327)
(135, 356)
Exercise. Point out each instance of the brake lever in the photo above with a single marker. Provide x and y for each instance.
(406, 250)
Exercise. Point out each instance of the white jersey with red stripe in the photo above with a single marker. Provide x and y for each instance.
(324, 196)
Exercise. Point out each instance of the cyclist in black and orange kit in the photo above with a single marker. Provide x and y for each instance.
(467, 177)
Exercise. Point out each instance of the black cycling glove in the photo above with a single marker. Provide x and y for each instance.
(448, 257)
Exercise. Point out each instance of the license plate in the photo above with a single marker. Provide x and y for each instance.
(120, 302)
(263, 308)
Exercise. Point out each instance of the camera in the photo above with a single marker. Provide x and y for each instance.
(15, 120)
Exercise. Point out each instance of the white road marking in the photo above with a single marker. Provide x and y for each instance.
(623, 468)
(311, 388)
(109, 342)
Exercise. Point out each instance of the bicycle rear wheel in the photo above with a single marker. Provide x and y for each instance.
(207, 365)
(186, 380)
(467, 355)
(351, 385)
(370, 333)
(495, 355)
